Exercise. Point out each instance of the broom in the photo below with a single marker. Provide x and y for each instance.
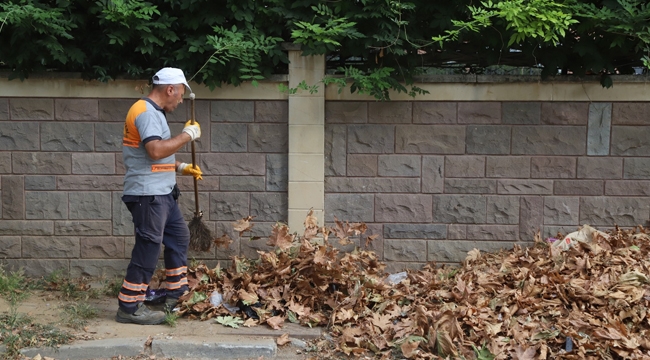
(200, 235)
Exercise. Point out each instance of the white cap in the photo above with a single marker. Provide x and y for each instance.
(171, 76)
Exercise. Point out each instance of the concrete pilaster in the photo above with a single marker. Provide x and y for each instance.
(306, 140)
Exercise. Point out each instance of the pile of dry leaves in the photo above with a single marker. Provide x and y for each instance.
(590, 301)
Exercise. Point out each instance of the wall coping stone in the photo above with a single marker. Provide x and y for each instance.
(455, 88)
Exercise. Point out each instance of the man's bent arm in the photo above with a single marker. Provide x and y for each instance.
(159, 149)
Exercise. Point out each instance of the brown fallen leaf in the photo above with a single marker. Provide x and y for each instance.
(410, 348)
(280, 237)
(320, 256)
(283, 339)
(493, 329)
(357, 228)
(370, 239)
(275, 322)
(224, 241)
(298, 309)
(243, 225)
(345, 314)
(247, 297)
(520, 302)
(524, 354)
(473, 255)
(381, 321)
(350, 335)
(356, 351)
(311, 221)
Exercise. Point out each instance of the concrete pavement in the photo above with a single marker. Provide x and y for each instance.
(104, 338)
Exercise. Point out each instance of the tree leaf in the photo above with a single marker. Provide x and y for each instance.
(410, 348)
(243, 225)
(283, 339)
(247, 298)
(280, 237)
(275, 322)
(231, 321)
(224, 241)
(196, 297)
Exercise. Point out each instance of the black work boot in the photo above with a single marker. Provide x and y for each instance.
(142, 316)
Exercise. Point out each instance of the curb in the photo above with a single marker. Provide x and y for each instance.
(234, 349)
(223, 348)
(90, 349)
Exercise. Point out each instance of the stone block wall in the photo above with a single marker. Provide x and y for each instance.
(61, 177)
(433, 179)
(436, 179)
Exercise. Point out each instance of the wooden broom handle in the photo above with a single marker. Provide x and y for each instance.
(196, 188)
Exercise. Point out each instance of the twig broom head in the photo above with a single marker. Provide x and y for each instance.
(200, 235)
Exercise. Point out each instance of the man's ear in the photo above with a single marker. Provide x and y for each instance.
(171, 90)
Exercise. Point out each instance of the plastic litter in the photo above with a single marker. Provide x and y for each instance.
(396, 278)
(569, 345)
(155, 296)
(248, 310)
(216, 299)
(584, 235)
(232, 308)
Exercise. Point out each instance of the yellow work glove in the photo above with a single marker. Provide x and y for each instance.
(193, 130)
(187, 169)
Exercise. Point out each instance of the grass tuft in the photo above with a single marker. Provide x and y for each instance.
(171, 318)
(76, 315)
(112, 287)
(75, 289)
(17, 330)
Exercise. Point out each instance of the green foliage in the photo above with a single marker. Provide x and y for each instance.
(324, 33)
(14, 288)
(171, 318)
(483, 353)
(312, 89)
(246, 46)
(626, 19)
(196, 298)
(377, 83)
(194, 262)
(130, 20)
(530, 19)
(127, 13)
(231, 321)
(534, 19)
(46, 28)
(374, 46)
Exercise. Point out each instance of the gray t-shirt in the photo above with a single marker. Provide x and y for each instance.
(146, 121)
